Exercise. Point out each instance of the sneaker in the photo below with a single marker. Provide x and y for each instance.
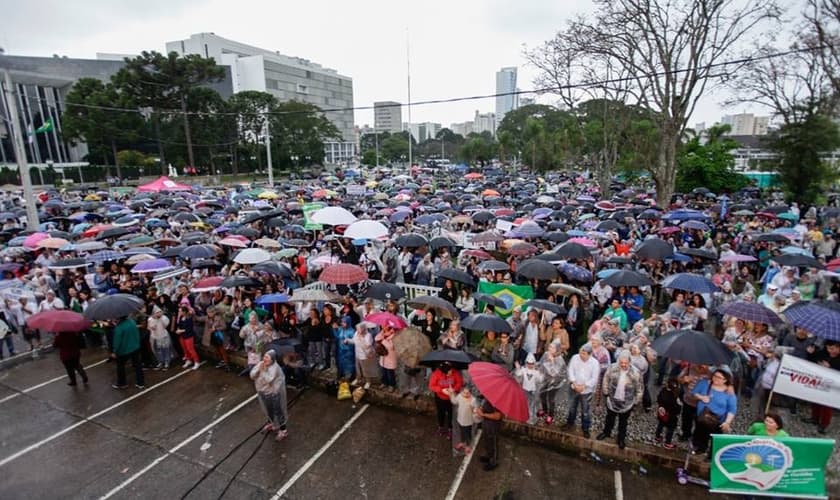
(140, 386)
(669, 446)
(282, 435)
(115, 386)
(602, 436)
(549, 420)
(187, 364)
(166, 367)
(822, 430)
(459, 446)
(71, 384)
(367, 386)
(221, 364)
(467, 450)
(356, 382)
(658, 439)
(541, 413)
(158, 366)
(196, 366)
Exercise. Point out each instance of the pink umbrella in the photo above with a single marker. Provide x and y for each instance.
(669, 230)
(583, 241)
(58, 321)
(32, 240)
(387, 319)
(343, 274)
(233, 242)
(738, 258)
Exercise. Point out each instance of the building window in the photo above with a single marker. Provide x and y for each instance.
(302, 89)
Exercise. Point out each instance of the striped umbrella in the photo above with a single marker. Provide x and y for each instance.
(105, 256)
(343, 274)
(819, 317)
(750, 311)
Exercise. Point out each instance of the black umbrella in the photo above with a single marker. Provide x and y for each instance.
(457, 275)
(245, 231)
(457, 358)
(410, 240)
(494, 265)
(693, 347)
(617, 259)
(198, 252)
(489, 299)
(234, 281)
(441, 306)
(204, 263)
(655, 249)
(609, 225)
(486, 322)
(273, 268)
(571, 250)
(699, 252)
(483, 217)
(173, 251)
(546, 305)
(627, 278)
(69, 264)
(114, 306)
(296, 243)
(771, 237)
(384, 291)
(441, 242)
(797, 260)
(556, 237)
(113, 232)
(537, 269)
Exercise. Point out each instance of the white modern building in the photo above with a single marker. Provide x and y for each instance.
(463, 128)
(287, 78)
(422, 131)
(387, 117)
(746, 124)
(484, 122)
(505, 84)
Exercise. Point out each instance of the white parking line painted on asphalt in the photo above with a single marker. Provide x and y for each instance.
(48, 382)
(85, 420)
(282, 491)
(619, 489)
(176, 448)
(465, 464)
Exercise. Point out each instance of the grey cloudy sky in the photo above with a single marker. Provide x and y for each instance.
(456, 45)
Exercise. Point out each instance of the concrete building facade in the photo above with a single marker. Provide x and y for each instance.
(505, 84)
(387, 117)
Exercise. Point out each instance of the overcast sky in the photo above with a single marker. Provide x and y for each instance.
(456, 46)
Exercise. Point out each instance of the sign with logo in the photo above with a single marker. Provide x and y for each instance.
(809, 381)
(753, 465)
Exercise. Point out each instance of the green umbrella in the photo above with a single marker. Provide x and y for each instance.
(789, 216)
(141, 241)
(286, 252)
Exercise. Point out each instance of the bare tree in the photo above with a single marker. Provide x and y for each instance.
(823, 17)
(671, 52)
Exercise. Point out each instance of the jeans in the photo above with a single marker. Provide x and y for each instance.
(609, 422)
(316, 353)
(135, 362)
(389, 377)
(548, 400)
(584, 400)
(9, 345)
(163, 354)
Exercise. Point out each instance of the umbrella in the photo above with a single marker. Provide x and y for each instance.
(272, 298)
(693, 347)
(627, 278)
(797, 260)
(273, 268)
(456, 357)
(694, 224)
(771, 237)
(58, 320)
(140, 257)
(441, 242)
(410, 240)
(576, 273)
(204, 263)
(486, 298)
(207, 284)
(367, 229)
(570, 250)
(152, 266)
(252, 256)
(333, 216)
(487, 237)
(750, 311)
(486, 322)
(819, 317)
(239, 280)
(384, 291)
(386, 319)
(343, 274)
(522, 248)
(689, 282)
(494, 265)
(199, 252)
(114, 306)
(654, 249)
(441, 307)
(267, 243)
(537, 269)
(411, 345)
(565, 290)
(546, 305)
(457, 275)
(499, 387)
(699, 252)
(68, 264)
(169, 274)
(52, 243)
(233, 242)
(738, 258)
(314, 295)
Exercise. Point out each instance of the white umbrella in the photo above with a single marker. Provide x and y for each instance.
(252, 256)
(333, 216)
(366, 229)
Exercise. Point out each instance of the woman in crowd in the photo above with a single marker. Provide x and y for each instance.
(270, 383)
(158, 326)
(553, 368)
(185, 329)
(716, 408)
(453, 337)
(345, 352)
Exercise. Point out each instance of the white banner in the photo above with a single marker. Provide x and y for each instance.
(808, 381)
(355, 190)
(504, 225)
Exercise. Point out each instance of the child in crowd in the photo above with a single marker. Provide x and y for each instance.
(668, 412)
(465, 405)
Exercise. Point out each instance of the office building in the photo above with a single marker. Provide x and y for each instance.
(387, 117)
(484, 122)
(505, 85)
(746, 124)
(462, 129)
(287, 78)
(423, 131)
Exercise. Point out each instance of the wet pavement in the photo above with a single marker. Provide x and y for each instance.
(195, 434)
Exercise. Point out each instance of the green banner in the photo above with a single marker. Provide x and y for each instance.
(511, 295)
(307, 209)
(756, 465)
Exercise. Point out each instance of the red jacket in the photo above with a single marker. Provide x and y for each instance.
(440, 381)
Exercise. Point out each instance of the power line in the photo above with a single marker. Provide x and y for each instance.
(571, 86)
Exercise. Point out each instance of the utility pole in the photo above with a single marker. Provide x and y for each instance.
(20, 154)
(268, 153)
(408, 67)
(376, 144)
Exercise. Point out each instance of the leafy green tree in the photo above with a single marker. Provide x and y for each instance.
(300, 129)
(132, 158)
(395, 147)
(250, 107)
(799, 143)
(709, 164)
(87, 118)
(163, 83)
(369, 157)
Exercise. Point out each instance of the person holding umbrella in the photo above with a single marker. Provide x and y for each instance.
(387, 357)
(490, 425)
(67, 344)
(125, 347)
(445, 377)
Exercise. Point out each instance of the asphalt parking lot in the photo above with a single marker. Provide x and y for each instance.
(195, 434)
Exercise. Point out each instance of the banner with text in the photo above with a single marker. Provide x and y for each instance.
(753, 465)
(808, 381)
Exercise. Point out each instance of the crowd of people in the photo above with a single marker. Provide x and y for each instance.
(235, 270)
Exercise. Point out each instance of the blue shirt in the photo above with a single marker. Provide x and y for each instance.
(721, 403)
(634, 315)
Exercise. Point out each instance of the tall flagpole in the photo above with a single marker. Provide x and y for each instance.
(408, 66)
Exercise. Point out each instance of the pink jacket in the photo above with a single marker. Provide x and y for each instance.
(388, 361)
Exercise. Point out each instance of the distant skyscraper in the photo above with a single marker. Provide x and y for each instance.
(746, 124)
(387, 117)
(505, 84)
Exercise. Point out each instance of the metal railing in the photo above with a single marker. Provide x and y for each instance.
(411, 290)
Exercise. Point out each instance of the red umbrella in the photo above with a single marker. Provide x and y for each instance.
(387, 319)
(479, 254)
(501, 389)
(208, 284)
(343, 274)
(58, 321)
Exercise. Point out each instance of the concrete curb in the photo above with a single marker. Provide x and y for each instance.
(638, 454)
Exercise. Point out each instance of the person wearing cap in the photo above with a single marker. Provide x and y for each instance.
(622, 386)
(583, 374)
(158, 326)
(270, 383)
(615, 311)
(531, 380)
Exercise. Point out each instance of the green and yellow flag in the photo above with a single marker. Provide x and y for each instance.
(46, 127)
(512, 295)
(307, 210)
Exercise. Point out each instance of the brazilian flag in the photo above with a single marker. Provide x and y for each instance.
(307, 210)
(512, 295)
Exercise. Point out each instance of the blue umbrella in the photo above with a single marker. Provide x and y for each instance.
(576, 273)
(272, 298)
(105, 256)
(819, 317)
(689, 282)
(694, 224)
(606, 273)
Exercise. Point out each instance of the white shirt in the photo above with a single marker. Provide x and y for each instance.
(584, 372)
(47, 305)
